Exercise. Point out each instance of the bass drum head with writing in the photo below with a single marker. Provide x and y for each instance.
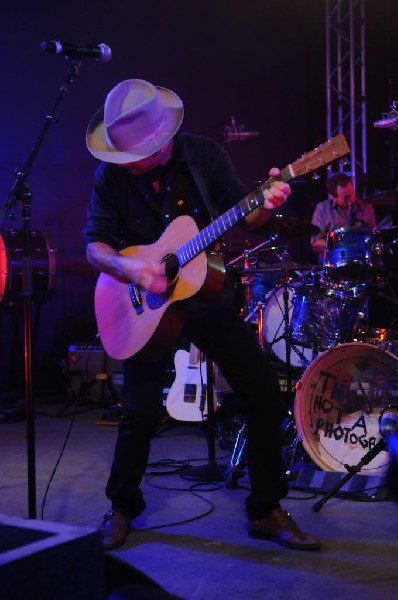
(338, 402)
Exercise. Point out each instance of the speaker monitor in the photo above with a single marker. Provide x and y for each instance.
(42, 561)
(87, 366)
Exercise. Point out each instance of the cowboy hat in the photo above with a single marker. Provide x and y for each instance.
(136, 120)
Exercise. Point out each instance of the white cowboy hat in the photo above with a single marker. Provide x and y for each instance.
(136, 120)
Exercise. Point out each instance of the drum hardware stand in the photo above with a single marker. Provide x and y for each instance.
(293, 451)
(304, 361)
(259, 309)
(234, 472)
(246, 255)
(211, 472)
(22, 193)
(287, 344)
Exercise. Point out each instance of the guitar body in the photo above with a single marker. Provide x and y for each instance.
(187, 394)
(123, 331)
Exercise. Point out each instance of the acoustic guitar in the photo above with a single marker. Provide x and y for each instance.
(131, 319)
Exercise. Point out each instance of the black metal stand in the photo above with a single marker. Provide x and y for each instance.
(381, 445)
(212, 471)
(286, 319)
(106, 385)
(21, 192)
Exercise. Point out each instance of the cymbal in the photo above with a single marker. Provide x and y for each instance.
(280, 266)
(388, 198)
(288, 227)
(389, 122)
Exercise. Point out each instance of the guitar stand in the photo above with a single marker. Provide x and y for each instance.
(211, 472)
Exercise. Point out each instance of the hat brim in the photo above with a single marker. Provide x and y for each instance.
(98, 146)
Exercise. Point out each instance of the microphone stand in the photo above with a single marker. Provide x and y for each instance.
(352, 470)
(21, 192)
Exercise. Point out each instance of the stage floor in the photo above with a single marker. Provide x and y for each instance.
(192, 538)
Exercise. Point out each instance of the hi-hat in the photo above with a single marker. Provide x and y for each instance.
(288, 227)
(388, 198)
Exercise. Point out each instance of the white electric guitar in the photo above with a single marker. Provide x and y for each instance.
(187, 397)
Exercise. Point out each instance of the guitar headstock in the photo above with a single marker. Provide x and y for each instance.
(321, 156)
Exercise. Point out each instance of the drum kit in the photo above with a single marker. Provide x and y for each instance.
(314, 320)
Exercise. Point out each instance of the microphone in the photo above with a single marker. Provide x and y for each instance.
(101, 52)
(388, 429)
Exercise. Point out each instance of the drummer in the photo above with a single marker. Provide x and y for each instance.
(343, 208)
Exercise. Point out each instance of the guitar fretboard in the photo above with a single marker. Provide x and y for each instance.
(217, 228)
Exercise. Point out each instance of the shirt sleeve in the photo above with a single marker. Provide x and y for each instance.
(318, 219)
(102, 224)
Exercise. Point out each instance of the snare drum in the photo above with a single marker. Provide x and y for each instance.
(323, 316)
(338, 402)
(353, 254)
(11, 266)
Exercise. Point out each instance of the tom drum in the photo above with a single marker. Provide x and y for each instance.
(353, 254)
(11, 266)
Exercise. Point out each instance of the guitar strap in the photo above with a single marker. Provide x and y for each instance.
(199, 180)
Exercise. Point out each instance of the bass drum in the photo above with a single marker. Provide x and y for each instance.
(11, 266)
(338, 402)
(274, 327)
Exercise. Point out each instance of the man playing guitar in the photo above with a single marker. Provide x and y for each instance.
(155, 197)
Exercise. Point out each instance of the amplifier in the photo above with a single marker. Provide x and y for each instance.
(89, 367)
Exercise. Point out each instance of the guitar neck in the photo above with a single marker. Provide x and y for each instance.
(194, 356)
(222, 224)
(321, 156)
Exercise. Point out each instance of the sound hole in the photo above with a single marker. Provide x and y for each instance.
(172, 267)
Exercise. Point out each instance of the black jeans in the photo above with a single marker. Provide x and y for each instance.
(221, 333)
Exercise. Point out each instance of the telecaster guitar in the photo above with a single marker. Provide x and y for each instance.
(130, 319)
(186, 400)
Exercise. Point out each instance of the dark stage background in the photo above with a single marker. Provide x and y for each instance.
(260, 61)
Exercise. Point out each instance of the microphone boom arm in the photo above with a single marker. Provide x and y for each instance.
(19, 190)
